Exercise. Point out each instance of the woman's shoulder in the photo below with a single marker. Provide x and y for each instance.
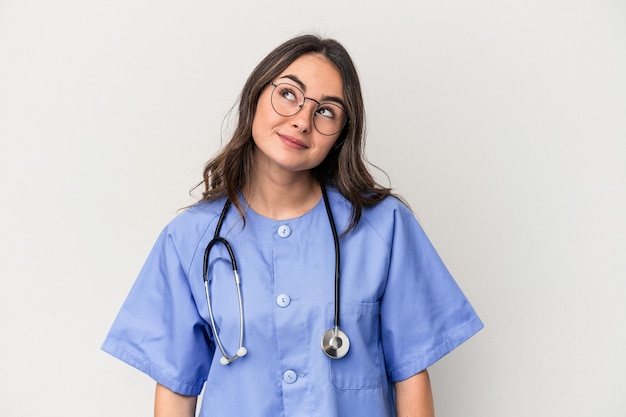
(192, 222)
(388, 214)
(389, 202)
(380, 215)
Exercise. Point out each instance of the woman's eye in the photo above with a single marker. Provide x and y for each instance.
(288, 94)
(326, 112)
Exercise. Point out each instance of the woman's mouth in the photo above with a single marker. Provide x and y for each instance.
(292, 142)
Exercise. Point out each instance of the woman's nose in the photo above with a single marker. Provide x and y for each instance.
(304, 118)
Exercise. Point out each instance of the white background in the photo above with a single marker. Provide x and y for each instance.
(503, 123)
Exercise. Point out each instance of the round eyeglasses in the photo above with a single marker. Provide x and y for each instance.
(328, 118)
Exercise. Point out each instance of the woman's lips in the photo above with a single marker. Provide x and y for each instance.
(292, 142)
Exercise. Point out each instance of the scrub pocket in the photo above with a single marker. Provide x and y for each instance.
(362, 367)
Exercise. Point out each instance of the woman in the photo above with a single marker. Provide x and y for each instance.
(343, 302)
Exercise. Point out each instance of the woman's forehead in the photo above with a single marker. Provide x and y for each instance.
(314, 74)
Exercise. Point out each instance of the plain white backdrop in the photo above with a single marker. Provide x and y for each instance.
(503, 123)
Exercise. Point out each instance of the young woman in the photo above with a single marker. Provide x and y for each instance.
(298, 286)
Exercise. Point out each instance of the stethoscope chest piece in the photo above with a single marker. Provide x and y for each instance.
(335, 343)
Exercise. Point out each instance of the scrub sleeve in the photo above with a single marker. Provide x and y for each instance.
(152, 329)
(424, 314)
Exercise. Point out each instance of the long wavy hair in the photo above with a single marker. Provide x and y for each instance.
(345, 167)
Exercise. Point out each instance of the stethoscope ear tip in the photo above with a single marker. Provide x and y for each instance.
(242, 351)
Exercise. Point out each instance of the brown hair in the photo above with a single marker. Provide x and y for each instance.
(344, 167)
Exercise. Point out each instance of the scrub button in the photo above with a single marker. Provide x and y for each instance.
(290, 376)
(283, 300)
(284, 230)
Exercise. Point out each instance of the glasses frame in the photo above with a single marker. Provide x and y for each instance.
(301, 106)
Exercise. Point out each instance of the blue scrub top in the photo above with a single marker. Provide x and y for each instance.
(400, 307)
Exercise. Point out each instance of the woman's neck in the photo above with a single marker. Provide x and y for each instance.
(284, 196)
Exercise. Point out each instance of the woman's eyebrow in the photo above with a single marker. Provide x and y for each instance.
(297, 80)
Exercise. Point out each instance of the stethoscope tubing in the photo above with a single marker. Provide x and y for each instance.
(225, 357)
(337, 256)
(241, 351)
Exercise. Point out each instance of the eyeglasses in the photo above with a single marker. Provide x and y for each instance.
(287, 100)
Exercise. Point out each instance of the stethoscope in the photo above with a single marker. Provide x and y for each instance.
(335, 343)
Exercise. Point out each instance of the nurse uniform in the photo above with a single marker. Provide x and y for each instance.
(399, 306)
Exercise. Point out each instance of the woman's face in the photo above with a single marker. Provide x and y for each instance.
(292, 143)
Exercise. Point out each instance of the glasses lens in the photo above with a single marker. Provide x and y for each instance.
(329, 118)
(287, 100)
